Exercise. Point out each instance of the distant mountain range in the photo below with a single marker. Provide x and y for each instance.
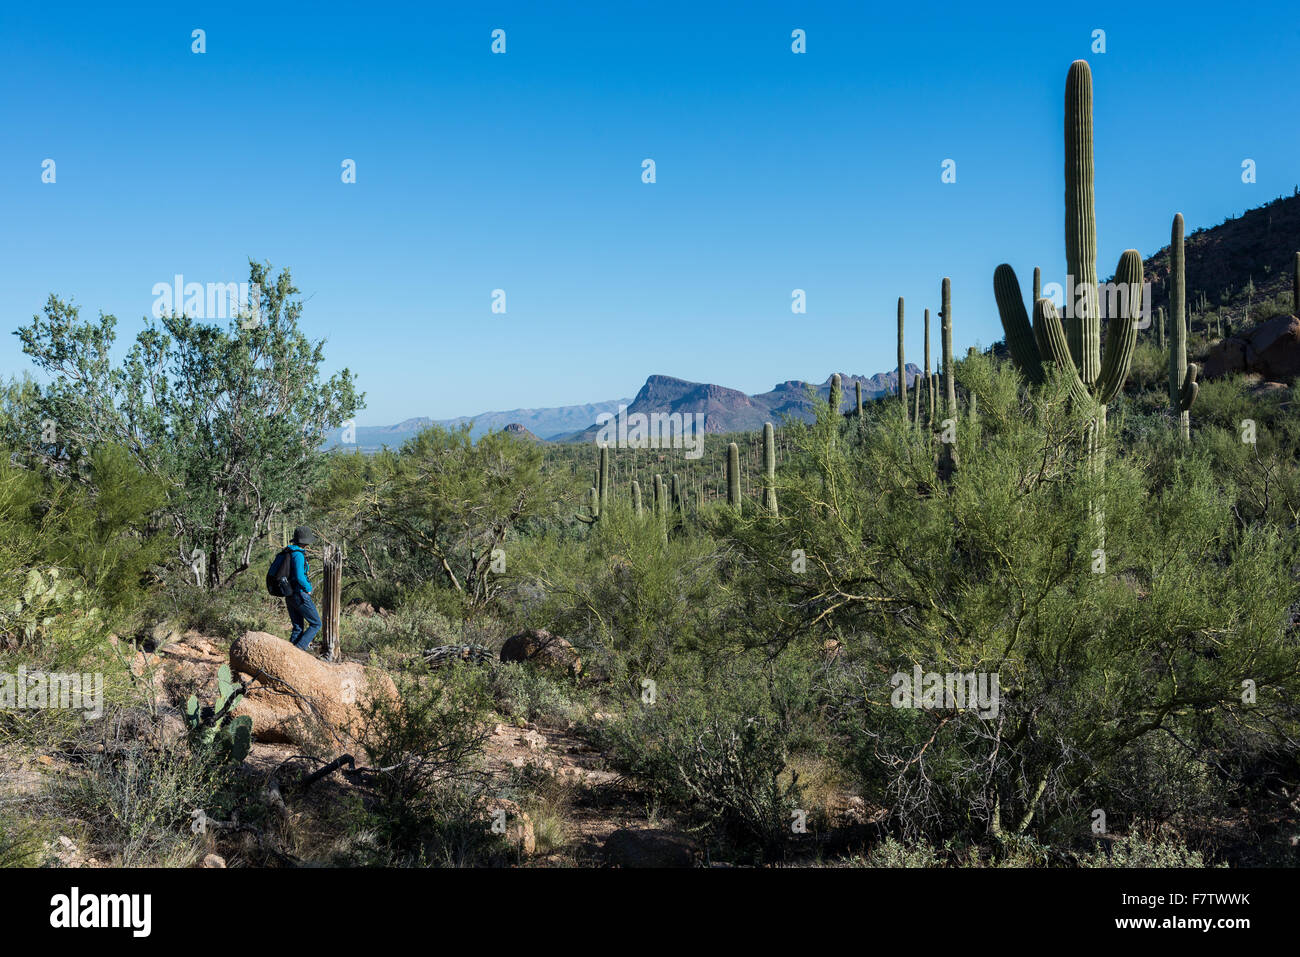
(724, 409)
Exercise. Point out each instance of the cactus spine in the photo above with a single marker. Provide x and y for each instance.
(733, 475)
(1182, 374)
(769, 462)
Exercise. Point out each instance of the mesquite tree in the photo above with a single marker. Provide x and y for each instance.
(230, 419)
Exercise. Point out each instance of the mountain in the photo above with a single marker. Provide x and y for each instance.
(547, 423)
(730, 410)
(724, 409)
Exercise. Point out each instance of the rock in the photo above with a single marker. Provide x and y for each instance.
(1269, 388)
(213, 860)
(163, 632)
(542, 648)
(650, 848)
(1226, 358)
(296, 693)
(508, 818)
(1271, 350)
(1276, 348)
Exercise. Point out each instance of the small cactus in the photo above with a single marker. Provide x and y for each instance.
(214, 727)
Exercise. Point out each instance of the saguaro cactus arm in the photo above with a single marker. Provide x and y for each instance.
(1015, 323)
(1047, 326)
(1121, 330)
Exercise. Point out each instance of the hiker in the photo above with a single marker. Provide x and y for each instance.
(291, 583)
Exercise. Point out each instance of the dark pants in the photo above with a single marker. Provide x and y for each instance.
(305, 618)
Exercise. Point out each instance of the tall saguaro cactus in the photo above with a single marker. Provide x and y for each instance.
(1182, 374)
(636, 499)
(769, 462)
(948, 459)
(1076, 349)
(1295, 284)
(857, 394)
(733, 475)
(603, 483)
(902, 366)
(836, 397)
(929, 392)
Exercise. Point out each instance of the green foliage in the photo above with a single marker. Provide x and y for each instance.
(214, 728)
(230, 419)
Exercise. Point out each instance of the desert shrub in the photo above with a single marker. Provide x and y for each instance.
(138, 803)
(894, 853)
(531, 694)
(426, 808)
(1134, 851)
(628, 595)
(715, 747)
(997, 573)
(22, 841)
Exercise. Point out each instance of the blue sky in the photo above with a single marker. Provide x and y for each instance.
(522, 172)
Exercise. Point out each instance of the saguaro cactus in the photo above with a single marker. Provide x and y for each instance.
(948, 460)
(857, 393)
(929, 392)
(1160, 328)
(603, 482)
(1295, 284)
(836, 397)
(769, 462)
(636, 498)
(1076, 349)
(1182, 374)
(902, 366)
(733, 475)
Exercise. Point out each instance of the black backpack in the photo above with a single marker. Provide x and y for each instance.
(278, 582)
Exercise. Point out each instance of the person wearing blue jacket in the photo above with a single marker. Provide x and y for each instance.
(302, 610)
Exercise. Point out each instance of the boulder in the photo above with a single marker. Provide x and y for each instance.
(1271, 350)
(1276, 348)
(296, 695)
(542, 648)
(650, 848)
(1226, 358)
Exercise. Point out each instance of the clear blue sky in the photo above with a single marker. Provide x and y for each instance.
(522, 171)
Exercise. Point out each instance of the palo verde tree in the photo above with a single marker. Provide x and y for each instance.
(231, 419)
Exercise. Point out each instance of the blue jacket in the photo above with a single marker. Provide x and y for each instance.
(299, 573)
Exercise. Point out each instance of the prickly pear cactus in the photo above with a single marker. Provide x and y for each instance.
(214, 728)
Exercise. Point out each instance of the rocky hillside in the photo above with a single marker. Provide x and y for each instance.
(1223, 261)
(730, 410)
